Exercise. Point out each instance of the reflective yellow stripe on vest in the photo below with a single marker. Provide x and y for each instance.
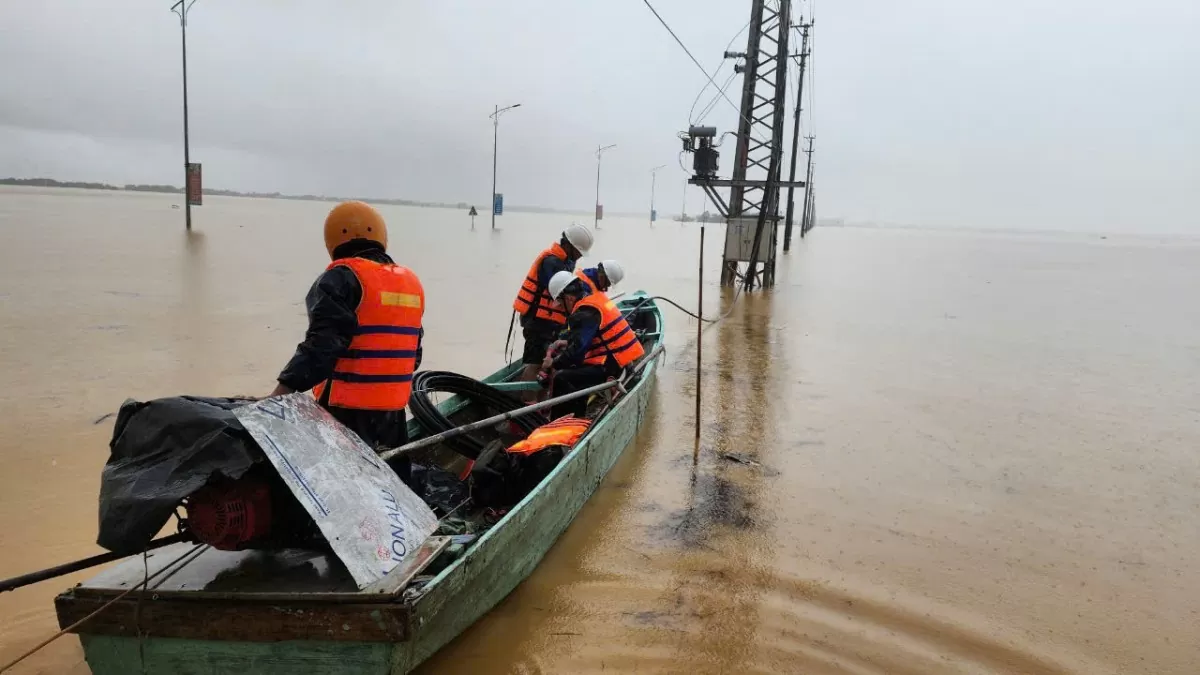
(375, 372)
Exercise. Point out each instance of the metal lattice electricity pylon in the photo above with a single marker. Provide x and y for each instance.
(752, 212)
(754, 195)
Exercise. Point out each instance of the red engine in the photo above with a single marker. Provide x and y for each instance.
(231, 515)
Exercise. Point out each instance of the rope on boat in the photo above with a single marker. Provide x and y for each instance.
(512, 321)
(68, 568)
(10, 665)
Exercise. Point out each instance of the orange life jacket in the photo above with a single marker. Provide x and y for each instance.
(376, 371)
(615, 336)
(587, 281)
(532, 295)
(562, 431)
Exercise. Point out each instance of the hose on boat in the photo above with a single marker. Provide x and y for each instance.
(678, 306)
(426, 412)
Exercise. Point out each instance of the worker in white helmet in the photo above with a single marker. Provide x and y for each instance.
(541, 316)
(605, 275)
(599, 343)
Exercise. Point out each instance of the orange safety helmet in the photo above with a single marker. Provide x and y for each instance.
(353, 220)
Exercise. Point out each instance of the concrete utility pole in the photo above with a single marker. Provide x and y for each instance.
(791, 204)
(181, 9)
(805, 226)
(495, 117)
(599, 151)
(653, 176)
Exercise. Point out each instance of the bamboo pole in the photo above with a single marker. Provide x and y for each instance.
(495, 419)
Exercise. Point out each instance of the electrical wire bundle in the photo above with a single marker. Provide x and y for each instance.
(426, 412)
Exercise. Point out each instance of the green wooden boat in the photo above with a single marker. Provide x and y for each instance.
(296, 612)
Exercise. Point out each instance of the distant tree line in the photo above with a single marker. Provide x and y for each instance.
(153, 188)
(50, 182)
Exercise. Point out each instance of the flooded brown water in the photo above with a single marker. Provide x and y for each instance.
(967, 452)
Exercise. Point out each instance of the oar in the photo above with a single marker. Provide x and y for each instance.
(467, 428)
(67, 568)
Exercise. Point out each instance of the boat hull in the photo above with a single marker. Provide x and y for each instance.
(110, 655)
(479, 581)
(403, 633)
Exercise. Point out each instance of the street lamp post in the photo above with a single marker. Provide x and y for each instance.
(181, 8)
(653, 178)
(495, 116)
(599, 151)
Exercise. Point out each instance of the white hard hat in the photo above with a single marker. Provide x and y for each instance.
(560, 281)
(579, 236)
(612, 270)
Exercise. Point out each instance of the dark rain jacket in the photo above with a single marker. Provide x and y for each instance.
(332, 305)
(582, 326)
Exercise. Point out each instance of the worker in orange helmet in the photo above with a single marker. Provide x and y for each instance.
(364, 331)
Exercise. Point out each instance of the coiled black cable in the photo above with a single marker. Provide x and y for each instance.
(426, 413)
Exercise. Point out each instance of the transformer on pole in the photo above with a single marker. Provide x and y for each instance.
(752, 212)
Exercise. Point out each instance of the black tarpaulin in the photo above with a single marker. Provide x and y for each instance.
(162, 451)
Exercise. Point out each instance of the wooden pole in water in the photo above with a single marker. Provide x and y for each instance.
(699, 336)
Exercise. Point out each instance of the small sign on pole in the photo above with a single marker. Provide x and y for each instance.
(498, 204)
(653, 215)
(599, 212)
(195, 192)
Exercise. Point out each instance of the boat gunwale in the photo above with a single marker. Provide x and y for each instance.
(579, 450)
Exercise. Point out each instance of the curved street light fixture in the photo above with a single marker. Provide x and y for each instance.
(599, 152)
(495, 117)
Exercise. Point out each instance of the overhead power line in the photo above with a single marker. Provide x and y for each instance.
(716, 72)
(715, 99)
(693, 58)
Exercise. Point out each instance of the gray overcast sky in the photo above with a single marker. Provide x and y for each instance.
(1066, 114)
